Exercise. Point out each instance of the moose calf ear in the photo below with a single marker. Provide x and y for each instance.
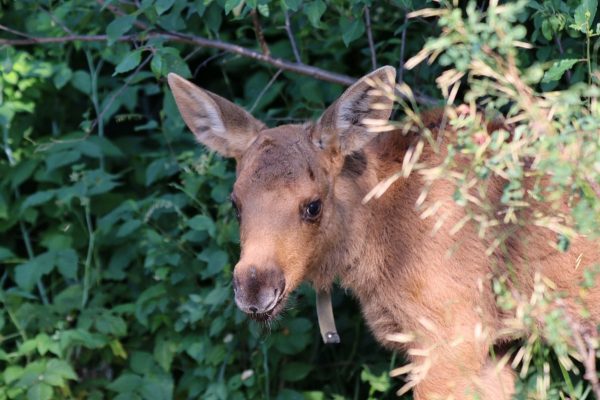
(341, 126)
(217, 123)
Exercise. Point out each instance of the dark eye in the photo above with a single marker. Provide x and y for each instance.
(236, 209)
(312, 210)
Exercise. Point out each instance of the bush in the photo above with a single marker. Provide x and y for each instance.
(118, 238)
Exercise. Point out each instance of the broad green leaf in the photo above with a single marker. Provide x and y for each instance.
(61, 368)
(39, 391)
(163, 5)
(314, 10)
(215, 259)
(5, 253)
(203, 223)
(12, 373)
(263, 9)
(230, 5)
(61, 158)
(118, 27)
(293, 5)
(164, 352)
(62, 75)
(111, 325)
(351, 29)
(557, 69)
(38, 198)
(82, 81)
(295, 371)
(26, 275)
(66, 262)
(128, 63)
(125, 383)
(128, 227)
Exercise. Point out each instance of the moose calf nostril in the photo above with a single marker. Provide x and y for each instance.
(253, 309)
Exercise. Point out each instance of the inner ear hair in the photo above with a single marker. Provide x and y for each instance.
(342, 127)
(216, 122)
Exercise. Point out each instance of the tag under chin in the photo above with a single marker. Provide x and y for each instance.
(325, 316)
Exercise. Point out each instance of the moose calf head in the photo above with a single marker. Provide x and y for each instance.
(284, 194)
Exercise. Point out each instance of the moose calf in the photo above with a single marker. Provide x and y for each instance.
(298, 196)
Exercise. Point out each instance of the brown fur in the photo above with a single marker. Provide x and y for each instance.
(438, 287)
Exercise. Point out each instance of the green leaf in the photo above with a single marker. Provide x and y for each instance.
(128, 227)
(314, 11)
(163, 5)
(39, 391)
(119, 27)
(66, 262)
(26, 275)
(125, 383)
(12, 373)
(5, 253)
(62, 75)
(557, 69)
(216, 260)
(230, 5)
(82, 81)
(203, 223)
(351, 29)
(61, 368)
(128, 63)
(111, 325)
(38, 198)
(293, 5)
(263, 9)
(295, 371)
(61, 158)
(164, 352)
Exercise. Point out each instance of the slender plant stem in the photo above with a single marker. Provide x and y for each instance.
(94, 71)
(266, 369)
(260, 36)
(370, 37)
(88, 259)
(291, 37)
(264, 90)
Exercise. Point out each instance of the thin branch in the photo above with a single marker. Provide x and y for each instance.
(100, 115)
(58, 22)
(262, 92)
(279, 63)
(298, 68)
(370, 37)
(259, 34)
(207, 61)
(14, 32)
(400, 74)
(290, 33)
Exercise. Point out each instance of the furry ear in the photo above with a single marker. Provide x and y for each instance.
(341, 127)
(217, 123)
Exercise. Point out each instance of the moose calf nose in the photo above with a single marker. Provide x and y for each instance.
(258, 290)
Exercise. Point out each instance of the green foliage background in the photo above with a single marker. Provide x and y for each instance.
(117, 237)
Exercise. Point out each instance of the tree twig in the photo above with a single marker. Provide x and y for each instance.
(285, 65)
(109, 103)
(14, 32)
(260, 37)
(262, 92)
(370, 37)
(58, 22)
(291, 37)
(302, 69)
